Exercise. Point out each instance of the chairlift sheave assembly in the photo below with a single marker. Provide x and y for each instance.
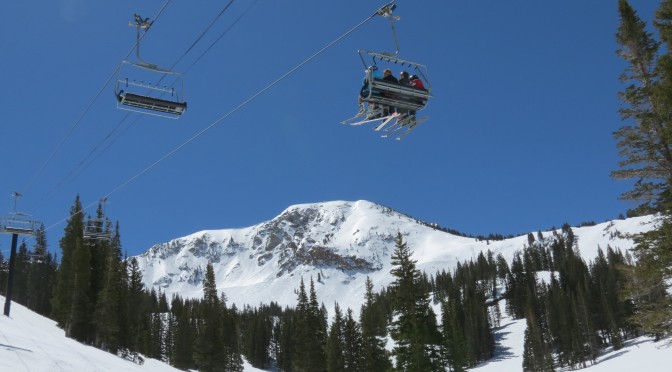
(379, 94)
(138, 87)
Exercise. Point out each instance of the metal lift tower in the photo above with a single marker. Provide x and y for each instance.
(15, 225)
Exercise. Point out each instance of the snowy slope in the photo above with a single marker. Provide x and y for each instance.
(30, 342)
(342, 242)
(640, 354)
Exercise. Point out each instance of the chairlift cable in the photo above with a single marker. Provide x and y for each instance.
(221, 36)
(223, 117)
(80, 167)
(203, 33)
(201, 36)
(214, 42)
(83, 165)
(83, 114)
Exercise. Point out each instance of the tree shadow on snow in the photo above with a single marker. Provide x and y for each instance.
(501, 352)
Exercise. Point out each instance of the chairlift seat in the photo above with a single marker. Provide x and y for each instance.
(151, 103)
(393, 94)
(388, 93)
(17, 226)
(97, 235)
(18, 230)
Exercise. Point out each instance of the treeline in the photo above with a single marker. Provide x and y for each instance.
(575, 312)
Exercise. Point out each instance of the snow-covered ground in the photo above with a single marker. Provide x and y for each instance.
(30, 342)
(641, 354)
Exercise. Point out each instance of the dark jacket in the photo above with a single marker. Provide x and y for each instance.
(391, 79)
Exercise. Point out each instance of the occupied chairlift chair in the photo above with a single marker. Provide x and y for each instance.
(143, 96)
(403, 97)
(383, 92)
(379, 92)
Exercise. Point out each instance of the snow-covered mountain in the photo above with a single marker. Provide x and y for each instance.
(343, 242)
(337, 244)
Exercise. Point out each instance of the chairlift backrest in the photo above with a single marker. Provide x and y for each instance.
(404, 97)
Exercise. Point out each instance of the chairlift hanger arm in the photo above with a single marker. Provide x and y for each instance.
(141, 24)
(387, 12)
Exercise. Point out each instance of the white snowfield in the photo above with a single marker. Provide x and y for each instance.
(31, 342)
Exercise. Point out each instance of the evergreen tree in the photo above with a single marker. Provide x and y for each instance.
(70, 304)
(646, 150)
(517, 284)
(452, 321)
(286, 349)
(232, 353)
(335, 350)
(184, 334)
(21, 267)
(78, 323)
(257, 335)
(209, 349)
(109, 307)
(310, 333)
(414, 328)
(136, 307)
(373, 324)
(645, 146)
(536, 353)
(353, 344)
(41, 275)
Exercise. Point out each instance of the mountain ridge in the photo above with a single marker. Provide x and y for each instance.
(336, 243)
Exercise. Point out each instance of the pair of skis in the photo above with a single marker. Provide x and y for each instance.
(402, 122)
(403, 126)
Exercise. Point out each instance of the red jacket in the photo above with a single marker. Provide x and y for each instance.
(417, 83)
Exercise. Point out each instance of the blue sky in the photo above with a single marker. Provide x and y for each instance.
(518, 137)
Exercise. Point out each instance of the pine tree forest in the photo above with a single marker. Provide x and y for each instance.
(443, 321)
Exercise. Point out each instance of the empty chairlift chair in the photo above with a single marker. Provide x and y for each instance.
(138, 87)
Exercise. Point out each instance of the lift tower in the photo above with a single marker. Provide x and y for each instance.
(15, 225)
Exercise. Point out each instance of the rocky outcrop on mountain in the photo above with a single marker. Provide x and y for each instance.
(346, 236)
